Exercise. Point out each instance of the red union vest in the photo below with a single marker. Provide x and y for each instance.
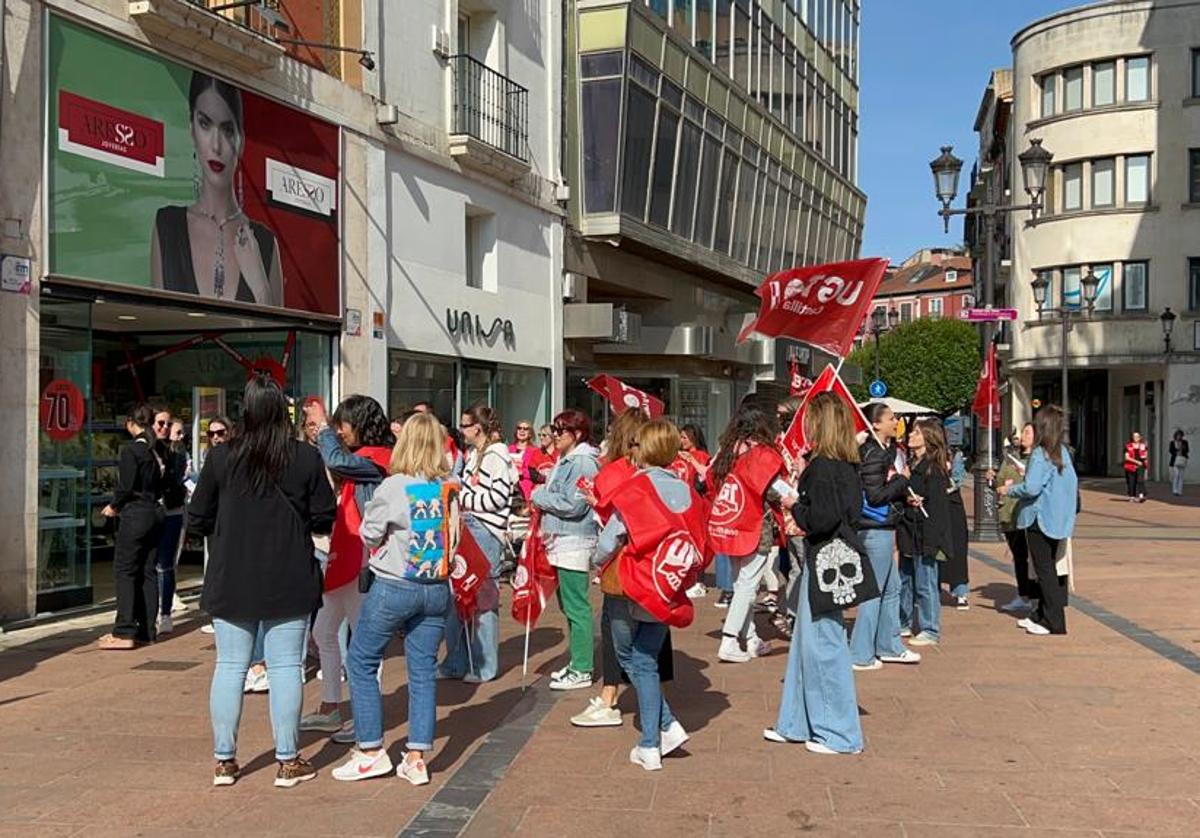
(666, 553)
(611, 477)
(347, 553)
(735, 523)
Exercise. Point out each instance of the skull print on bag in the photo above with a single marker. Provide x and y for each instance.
(839, 569)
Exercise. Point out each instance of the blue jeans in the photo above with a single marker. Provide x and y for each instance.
(638, 644)
(877, 625)
(819, 703)
(485, 631)
(283, 642)
(168, 550)
(724, 573)
(419, 610)
(919, 595)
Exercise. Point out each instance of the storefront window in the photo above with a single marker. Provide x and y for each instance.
(421, 378)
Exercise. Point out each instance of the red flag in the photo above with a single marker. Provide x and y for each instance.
(622, 397)
(793, 441)
(821, 305)
(468, 571)
(798, 385)
(535, 578)
(987, 395)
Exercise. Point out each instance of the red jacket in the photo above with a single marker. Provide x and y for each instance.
(735, 523)
(347, 553)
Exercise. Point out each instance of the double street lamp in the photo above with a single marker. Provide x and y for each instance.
(1035, 169)
(1088, 284)
(882, 321)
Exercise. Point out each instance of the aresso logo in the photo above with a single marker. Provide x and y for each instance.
(110, 135)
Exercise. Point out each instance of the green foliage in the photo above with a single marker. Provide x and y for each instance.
(935, 363)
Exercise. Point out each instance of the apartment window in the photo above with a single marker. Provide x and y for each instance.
(664, 166)
(1048, 276)
(1048, 83)
(906, 312)
(1072, 187)
(1104, 78)
(639, 133)
(935, 307)
(1137, 79)
(1133, 286)
(1071, 291)
(1194, 175)
(1194, 284)
(1196, 73)
(1103, 182)
(1104, 286)
(1073, 89)
(1137, 179)
(480, 253)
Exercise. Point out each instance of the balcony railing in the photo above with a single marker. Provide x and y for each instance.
(490, 107)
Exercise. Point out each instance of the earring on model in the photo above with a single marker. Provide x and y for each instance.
(195, 178)
(241, 196)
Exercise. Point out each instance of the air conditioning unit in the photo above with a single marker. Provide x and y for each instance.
(562, 193)
(441, 42)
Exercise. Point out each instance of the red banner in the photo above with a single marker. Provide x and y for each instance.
(793, 441)
(821, 305)
(109, 134)
(535, 579)
(621, 397)
(469, 569)
(986, 405)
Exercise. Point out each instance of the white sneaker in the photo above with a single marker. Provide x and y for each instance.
(345, 734)
(757, 647)
(772, 735)
(572, 680)
(178, 606)
(924, 639)
(321, 676)
(558, 673)
(697, 591)
(818, 748)
(472, 678)
(962, 604)
(671, 738)
(906, 632)
(415, 772)
(330, 722)
(907, 656)
(164, 624)
(1017, 604)
(207, 628)
(648, 758)
(1036, 628)
(1024, 622)
(360, 766)
(256, 682)
(731, 652)
(597, 714)
(875, 663)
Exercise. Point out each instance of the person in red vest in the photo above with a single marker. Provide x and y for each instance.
(745, 477)
(656, 537)
(356, 447)
(1136, 464)
(691, 466)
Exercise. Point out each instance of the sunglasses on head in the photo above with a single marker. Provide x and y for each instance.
(462, 426)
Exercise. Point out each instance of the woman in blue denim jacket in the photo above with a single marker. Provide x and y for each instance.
(570, 530)
(1047, 501)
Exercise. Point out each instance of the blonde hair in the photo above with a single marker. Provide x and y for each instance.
(658, 444)
(421, 449)
(622, 432)
(829, 427)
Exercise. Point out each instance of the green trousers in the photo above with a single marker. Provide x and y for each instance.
(573, 600)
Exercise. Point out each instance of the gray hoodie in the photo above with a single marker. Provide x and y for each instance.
(387, 521)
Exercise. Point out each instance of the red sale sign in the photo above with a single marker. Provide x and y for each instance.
(61, 410)
(821, 305)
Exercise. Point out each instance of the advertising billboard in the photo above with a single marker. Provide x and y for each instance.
(170, 178)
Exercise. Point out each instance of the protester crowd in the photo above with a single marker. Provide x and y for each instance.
(351, 528)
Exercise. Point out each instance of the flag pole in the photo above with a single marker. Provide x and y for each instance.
(525, 658)
(470, 654)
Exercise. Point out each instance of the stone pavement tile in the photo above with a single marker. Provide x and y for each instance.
(1108, 812)
(953, 750)
(495, 821)
(619, 792)
(903, 804)
(184, 774)
(23, 772)
(541, 821)
(558, 761)
(1049, 781)
(38, 831)
(168, 809)
(1106, 750)
(782, 819)
(1180, 781)
(736, 798)
(308, 809)
(942, 830)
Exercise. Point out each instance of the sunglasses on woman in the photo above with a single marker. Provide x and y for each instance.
(217, 433)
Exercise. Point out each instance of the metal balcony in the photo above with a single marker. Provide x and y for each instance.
(490, 121)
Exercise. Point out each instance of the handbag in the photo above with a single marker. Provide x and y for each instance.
(878, 514)
(839, 577)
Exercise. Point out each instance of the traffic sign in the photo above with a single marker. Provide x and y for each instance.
(877, 389)
(987, 315)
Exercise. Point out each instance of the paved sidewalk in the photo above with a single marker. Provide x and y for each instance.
(995, 733)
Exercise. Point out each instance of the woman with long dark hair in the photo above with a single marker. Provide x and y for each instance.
(1047, 500)
(260, 499)
(173, 453)
(925, 540)
(356, 449)
(136, 502)
(1136, 464)
(745, 477)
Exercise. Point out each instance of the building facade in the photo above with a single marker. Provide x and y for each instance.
(933, 283)
(709, 144)
(1113, 91)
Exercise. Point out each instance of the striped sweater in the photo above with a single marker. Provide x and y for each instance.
(487, 488)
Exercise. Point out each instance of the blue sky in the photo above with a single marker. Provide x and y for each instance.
(916, 96)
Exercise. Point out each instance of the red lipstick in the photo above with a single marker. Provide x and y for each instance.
(216, 165)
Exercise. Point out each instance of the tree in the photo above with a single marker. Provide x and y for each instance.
(934, 363)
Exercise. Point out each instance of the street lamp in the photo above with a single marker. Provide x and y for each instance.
(882, 321)
(946, 168)
(1089, 284)
(1167, 318)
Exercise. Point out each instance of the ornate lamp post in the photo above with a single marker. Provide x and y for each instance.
(946, 168)
(1041, 287)
(882, 321)
(1167, 318)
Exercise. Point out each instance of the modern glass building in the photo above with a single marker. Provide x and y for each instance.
(710, 143)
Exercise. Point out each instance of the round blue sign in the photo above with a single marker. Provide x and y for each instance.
(877, 389)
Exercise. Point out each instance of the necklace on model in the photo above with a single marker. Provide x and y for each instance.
(219, 252)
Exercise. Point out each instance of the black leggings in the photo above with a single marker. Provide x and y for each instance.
(1018, 545)
(1133, 483)
(139, 530)
(1052, 606)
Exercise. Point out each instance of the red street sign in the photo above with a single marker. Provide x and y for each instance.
(61, 410)
(987, 315)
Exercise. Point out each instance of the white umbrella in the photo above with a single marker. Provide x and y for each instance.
(900, 406)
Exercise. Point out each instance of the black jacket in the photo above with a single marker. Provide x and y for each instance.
(875, 461)
(922, 535)
(829, 504)
(139, 476)
(261, 564)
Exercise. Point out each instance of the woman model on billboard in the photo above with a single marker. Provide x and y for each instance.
(210, 247)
